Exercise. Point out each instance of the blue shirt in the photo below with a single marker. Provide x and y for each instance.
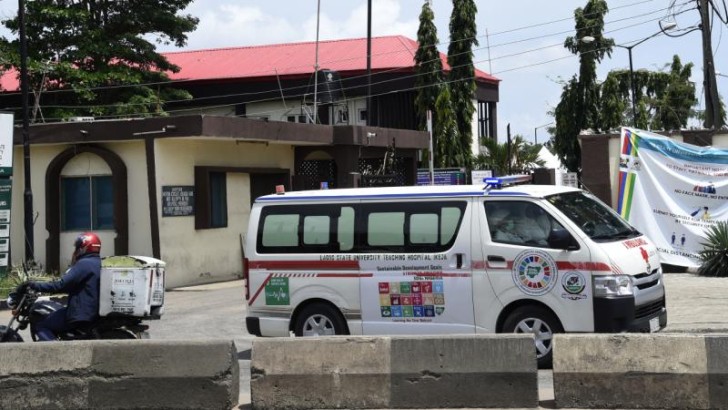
(81, 282)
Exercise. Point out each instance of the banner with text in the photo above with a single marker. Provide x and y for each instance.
(6, 144)
(672, 192)
(6, 171)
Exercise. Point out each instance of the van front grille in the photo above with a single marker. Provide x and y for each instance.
(649, 309)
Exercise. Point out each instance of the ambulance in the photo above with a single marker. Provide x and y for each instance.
(448, 260)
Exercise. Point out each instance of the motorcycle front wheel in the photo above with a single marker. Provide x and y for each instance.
(8, 335)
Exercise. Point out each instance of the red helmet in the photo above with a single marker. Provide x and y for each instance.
(85, 243)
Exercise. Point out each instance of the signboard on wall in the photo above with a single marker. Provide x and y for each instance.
(5, 197)
(178, 200)
(477, 177)
(6, 145)
(672, 191)
(443, 176)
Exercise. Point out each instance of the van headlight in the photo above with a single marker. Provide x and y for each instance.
(613, 285)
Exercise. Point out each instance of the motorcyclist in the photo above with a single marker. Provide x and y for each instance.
(81, 282)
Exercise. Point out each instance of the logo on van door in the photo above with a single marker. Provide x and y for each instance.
(574, 285)
(534, 272)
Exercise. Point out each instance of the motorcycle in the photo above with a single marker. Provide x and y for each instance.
(28, 308)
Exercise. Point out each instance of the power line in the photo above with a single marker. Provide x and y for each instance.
(349, 89)
(170, 82)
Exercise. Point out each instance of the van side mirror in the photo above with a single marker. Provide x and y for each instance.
(560, 238)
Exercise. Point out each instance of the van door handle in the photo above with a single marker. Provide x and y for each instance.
(493, 258)
(459, 259)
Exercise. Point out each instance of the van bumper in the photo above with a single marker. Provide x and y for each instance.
(267, 326)
(252, 324)
(619, 314)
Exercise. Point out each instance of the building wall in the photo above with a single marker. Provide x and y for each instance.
(209, 255)
(273, 110)
(227, 110)
(276, 111)
(85, 164)
(40, 156)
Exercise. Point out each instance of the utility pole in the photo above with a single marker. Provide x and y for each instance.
(316, 66)
(713, 120)
(508, 149)
(28, 193)
(369, 62)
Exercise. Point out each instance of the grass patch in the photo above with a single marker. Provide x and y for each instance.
(17, 275)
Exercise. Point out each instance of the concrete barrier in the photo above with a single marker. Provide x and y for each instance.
(394, 372)
(139, 374)
(641, 371)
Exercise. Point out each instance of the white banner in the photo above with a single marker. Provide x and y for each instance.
(672, 192)
(6, 144)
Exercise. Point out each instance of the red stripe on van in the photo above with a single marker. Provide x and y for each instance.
(344, 275)
(594, 266)
(260, 289)
(304, 265)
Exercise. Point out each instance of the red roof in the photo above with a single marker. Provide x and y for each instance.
(9, 81)
(290, 59)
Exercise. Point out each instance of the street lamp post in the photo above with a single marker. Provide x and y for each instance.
(632, 84)
(633, 90)
(535, 132)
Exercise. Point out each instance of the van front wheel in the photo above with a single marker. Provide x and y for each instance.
(541, 324)
(319, 320)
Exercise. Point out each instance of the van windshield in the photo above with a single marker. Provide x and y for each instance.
(596, 219)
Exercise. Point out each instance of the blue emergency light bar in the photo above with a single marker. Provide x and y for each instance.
(500, 182)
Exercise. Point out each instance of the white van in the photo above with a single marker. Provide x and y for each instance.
(448, 259)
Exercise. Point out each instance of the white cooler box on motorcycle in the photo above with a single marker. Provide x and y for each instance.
(132, 285)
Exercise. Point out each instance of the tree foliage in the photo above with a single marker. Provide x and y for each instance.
(428, 65)
(579, 106)
(665, 99)
(428, 70)
(521, 156)
(463, 36)
(448, 153)
(93, 47)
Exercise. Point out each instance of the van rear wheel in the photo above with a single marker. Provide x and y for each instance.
(319, 320)
(539, 322)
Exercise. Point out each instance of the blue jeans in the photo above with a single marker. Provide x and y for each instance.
(53, 324)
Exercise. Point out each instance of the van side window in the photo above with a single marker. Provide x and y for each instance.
(280, 230)
(519, 223)
(385, 229)
(406, 227)
(345, 229)
(316, 230)
(423, 228)
(449, 223)
(410, 227)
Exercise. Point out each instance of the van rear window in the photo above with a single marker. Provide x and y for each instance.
(404, 227)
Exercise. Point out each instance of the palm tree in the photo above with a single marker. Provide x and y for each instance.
(523, 157)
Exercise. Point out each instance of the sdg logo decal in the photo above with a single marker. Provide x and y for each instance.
(534, 272)
(276, 292)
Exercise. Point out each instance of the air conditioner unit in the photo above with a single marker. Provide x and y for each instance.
(81, 119)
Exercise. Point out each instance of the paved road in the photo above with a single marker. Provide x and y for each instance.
(695, 304)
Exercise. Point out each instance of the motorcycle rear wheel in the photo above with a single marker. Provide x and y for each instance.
(117, 334)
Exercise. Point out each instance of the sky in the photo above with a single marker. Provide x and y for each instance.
(520, 41)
